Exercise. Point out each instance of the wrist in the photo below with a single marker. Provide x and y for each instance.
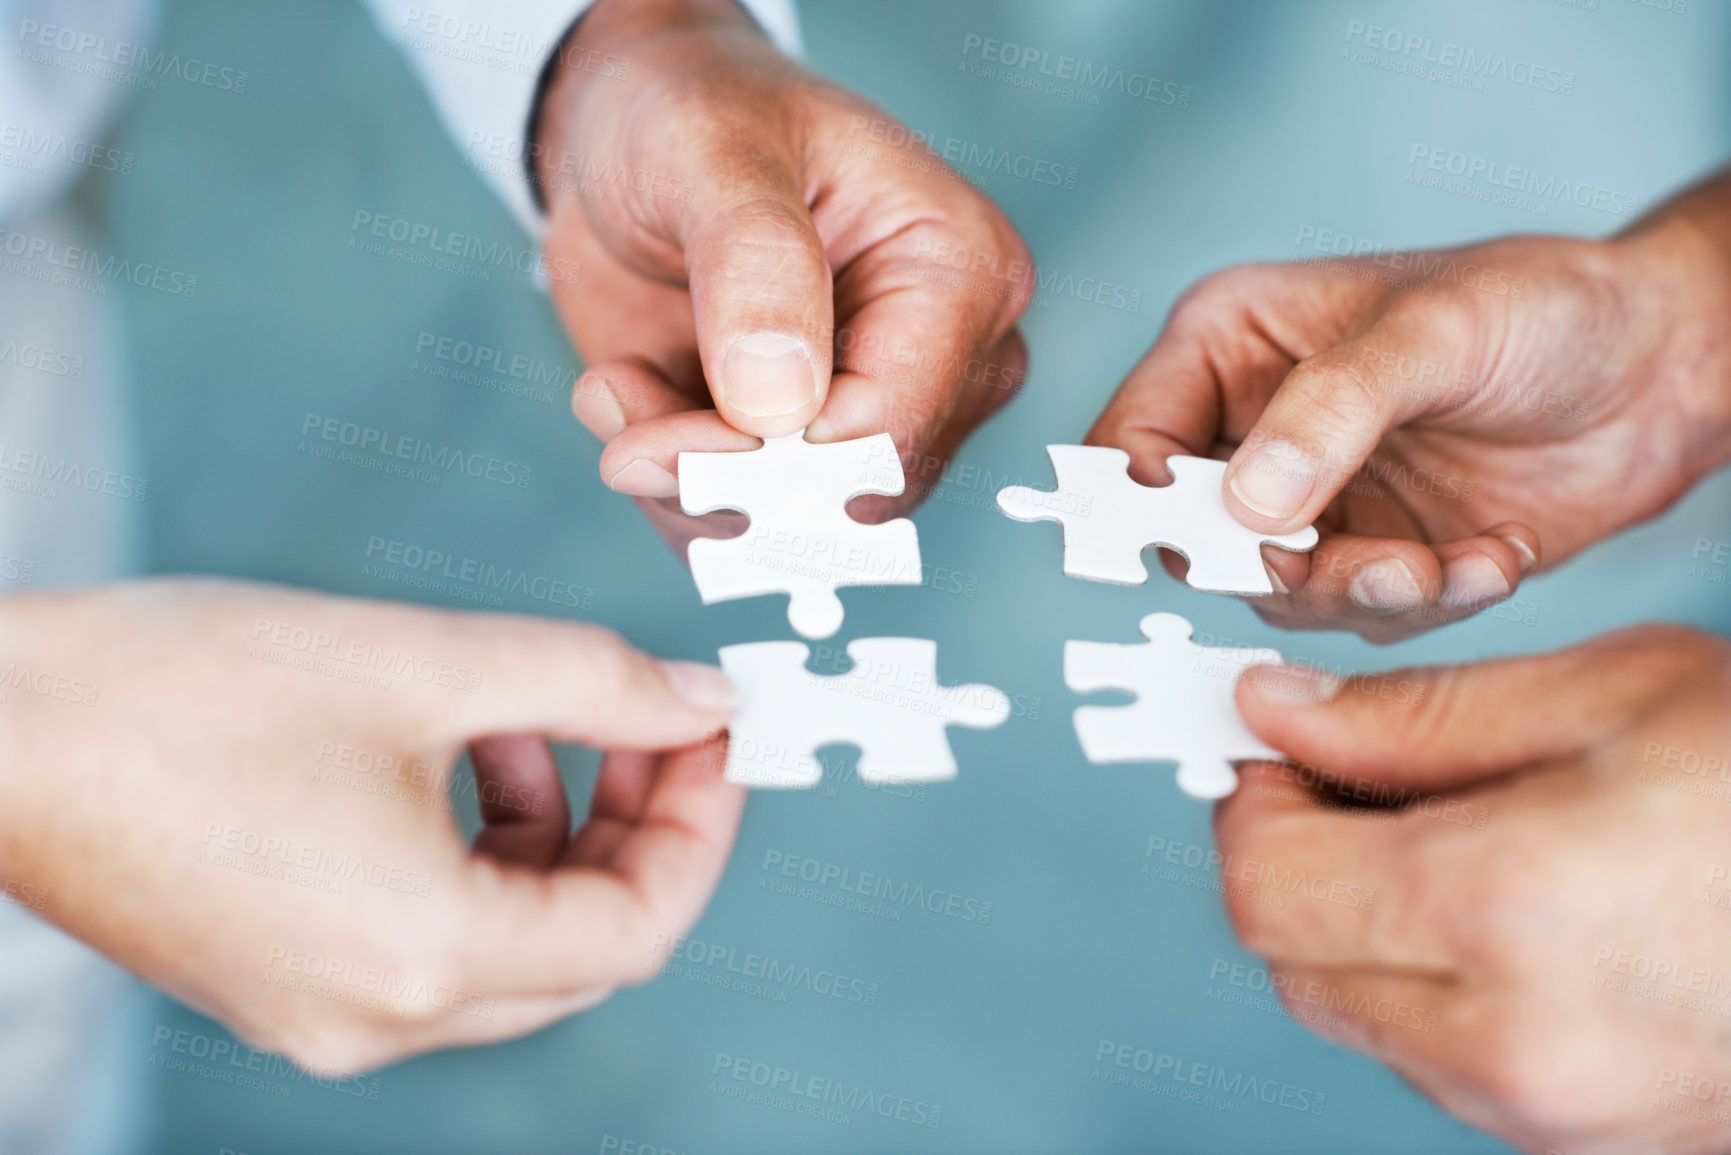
(1679, 275)
(1681, 254)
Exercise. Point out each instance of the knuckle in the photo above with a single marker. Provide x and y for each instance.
(1258, 925)
(637, 954)
(751, 220)
(1252, 922)
(606, 657)
(1443, 707)
(1223, 291)
(1462, 884)
(331, 1048)
(1338, 395)
(1686, 651)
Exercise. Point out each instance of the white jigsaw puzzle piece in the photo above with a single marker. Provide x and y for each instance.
(1109, 520)
(889, 704)
(1183, 711)
(801, 541)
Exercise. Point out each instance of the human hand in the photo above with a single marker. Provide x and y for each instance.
(1536, 935)
(1449, 430)
(240, 794)
(762, 251)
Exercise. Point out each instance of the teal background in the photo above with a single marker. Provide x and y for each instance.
(995, 1022)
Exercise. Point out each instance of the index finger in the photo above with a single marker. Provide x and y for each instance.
(1228, 344)
(930, 281)
(606, 918)
(1317, 887)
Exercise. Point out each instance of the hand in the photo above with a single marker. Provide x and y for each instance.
(762, 251)
(1538, 935)
(239, 793)
(1452, 421)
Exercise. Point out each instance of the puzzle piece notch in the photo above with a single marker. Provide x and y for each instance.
(1109, 519)
(889, 704)
(801, 541)
(1183, 710)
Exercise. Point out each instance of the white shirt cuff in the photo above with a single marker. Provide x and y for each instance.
(481, 61)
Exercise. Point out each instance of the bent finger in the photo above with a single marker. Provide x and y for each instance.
(578, 926)
(522, 800)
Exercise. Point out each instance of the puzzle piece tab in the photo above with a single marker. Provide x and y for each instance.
(1109, 520)
(1183, 711)
(889, 704)
(801, 542)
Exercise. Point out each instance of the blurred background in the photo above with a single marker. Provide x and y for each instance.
(1039, 909)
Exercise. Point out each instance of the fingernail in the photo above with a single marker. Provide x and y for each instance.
(703, 686)
(597, 406)
(768, 375)
(1293, 685)
(1528, 559)
(1386, 585)
(1275, 480)
(1274, 580)
(644, 478)
(1473, 580)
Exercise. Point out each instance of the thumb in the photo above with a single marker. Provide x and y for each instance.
(579, 683)
(1435, 728)
(760, 283)
(1328, 416)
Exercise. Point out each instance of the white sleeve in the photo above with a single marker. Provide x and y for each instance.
(67, 70)
(481, 61)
